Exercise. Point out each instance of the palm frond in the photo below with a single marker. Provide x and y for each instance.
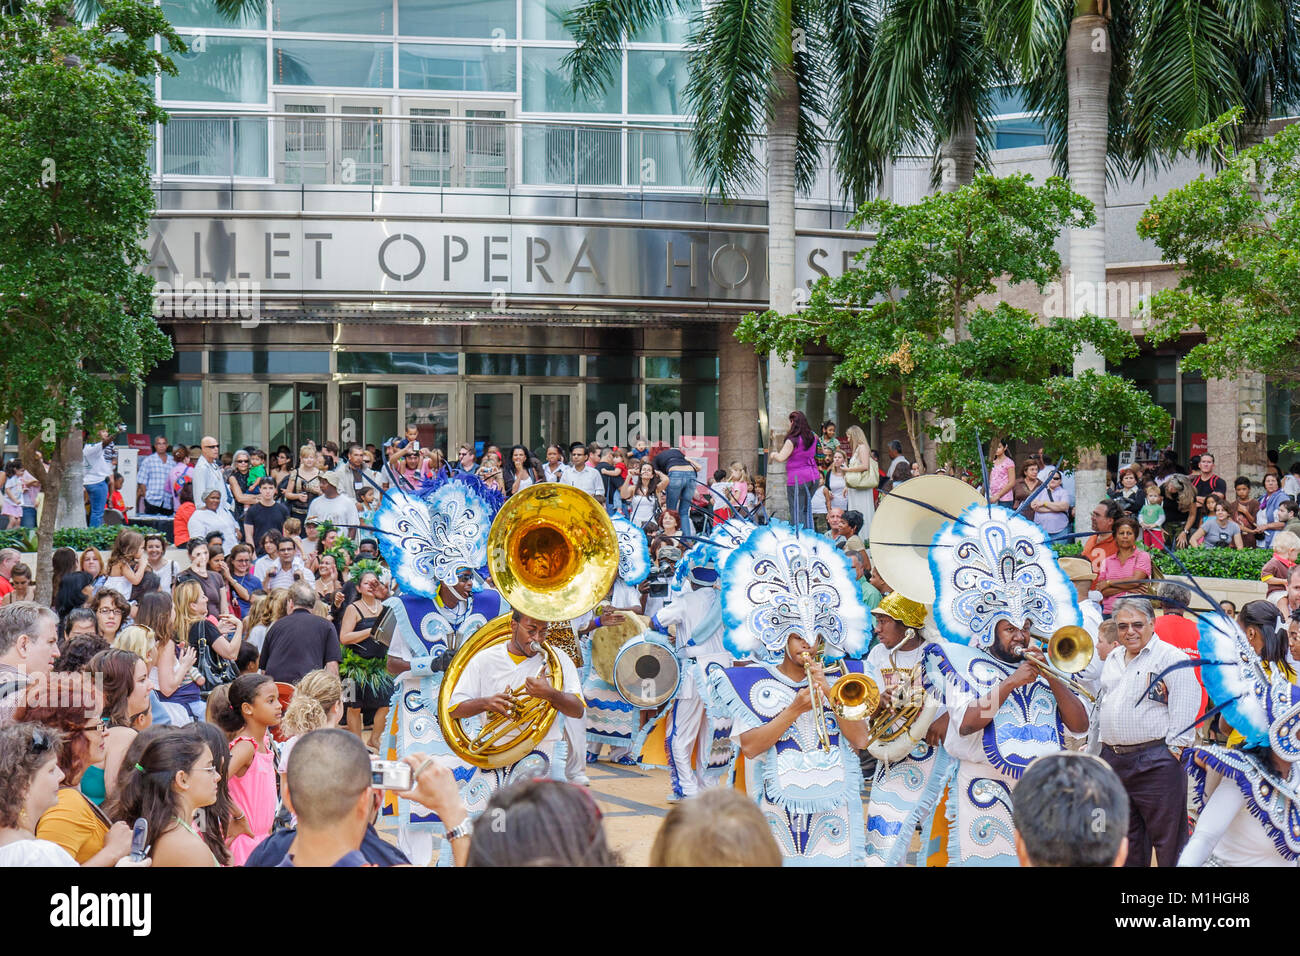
(237, 11)
(731, 90)
(598, 27)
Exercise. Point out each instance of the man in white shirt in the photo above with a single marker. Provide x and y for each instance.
(486, 679)
(334, 507)
(207, 476)
(1143, 725)
(98, 459)
(288, 569)
(212, 517)
(581, 475)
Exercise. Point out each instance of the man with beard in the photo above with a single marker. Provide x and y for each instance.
(995, 580)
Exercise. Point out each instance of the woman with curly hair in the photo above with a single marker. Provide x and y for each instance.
(69, 705)
(111, 612)
(29, 786)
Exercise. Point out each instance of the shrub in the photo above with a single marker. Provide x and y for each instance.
(1244, 565)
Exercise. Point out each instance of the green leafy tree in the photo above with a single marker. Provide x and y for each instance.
(76, 124)
(934, 268)
(1236, 237)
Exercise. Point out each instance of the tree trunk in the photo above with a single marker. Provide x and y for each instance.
(72, 491)
(1088, 64)
(957, 156)
(51, 475)
(780, 267)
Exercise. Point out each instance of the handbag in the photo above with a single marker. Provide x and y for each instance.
(863, 480)
(214, 670)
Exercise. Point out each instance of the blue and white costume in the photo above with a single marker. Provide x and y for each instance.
(427, 537)
(779, 583)
(989, 565)
(1249, 813)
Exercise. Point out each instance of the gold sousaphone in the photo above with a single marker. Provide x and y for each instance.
(553, 555)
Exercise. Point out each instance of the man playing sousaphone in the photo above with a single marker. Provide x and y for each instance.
(508, 677)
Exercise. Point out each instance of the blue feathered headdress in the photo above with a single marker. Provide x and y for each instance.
(781, 582)
(633, 551)
(428, 534)
(990, 564)
(1263, 708)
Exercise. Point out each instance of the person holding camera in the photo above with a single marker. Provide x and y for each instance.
(289, 569)
(664, 553)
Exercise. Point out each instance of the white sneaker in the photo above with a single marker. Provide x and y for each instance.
(581, 780)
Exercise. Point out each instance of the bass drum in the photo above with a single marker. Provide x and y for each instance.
(646, 672)
(608, 640)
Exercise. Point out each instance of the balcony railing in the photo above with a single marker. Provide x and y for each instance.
(431, 150)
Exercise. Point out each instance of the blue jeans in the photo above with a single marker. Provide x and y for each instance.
(681, 488)
(798, 497)
(98, 498)
(29, 517)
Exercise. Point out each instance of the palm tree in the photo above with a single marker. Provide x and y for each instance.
(1139, 74)
(759, 69)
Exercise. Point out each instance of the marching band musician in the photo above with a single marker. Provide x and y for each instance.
(913, 769)
(699, 749)
(785, 595)
(484, 685)
(995, 580)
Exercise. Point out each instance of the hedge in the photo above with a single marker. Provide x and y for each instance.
(78, 539)
(1244, 565)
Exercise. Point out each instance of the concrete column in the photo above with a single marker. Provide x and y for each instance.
(738, 400)
(1221, 425)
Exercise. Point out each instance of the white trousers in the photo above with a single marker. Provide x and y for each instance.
(686, 727)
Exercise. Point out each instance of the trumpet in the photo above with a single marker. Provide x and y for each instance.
(853, 696)
(1069, 651)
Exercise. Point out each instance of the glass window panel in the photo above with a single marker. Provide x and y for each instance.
(661, 158)
(456, 18)
(1007, 99)
(350, 412)
(226, 70)
(381, 396)
(333, 16)
(361, 143)
(239, 419)
(656, 82)
(550, 421)
(494, 419)
(674, 410)
(333, 63)
(430, 412)
(381, 425)
(204, 13)
(241, 362)
(546, 87)
(429, 148)
(174, 409)
(671, 29)
(609, 406)
(280, 398)
(430, 67)
(565, 155)
(542, 19)
(397, 363)
(1014, 134)
(550, 366)
(221, 146)
(606, 367)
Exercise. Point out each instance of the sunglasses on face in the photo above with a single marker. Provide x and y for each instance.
(464, 576)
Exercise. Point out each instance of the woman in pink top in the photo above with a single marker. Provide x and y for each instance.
(1128, 569)
(1002, 476)
(253, 709)
(801, 476)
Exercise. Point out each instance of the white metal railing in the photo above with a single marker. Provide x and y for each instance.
(431, 148)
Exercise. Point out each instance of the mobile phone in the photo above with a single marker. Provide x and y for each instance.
(139, 839)
(390, 774)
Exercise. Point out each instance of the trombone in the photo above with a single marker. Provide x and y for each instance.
(1069, 651)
